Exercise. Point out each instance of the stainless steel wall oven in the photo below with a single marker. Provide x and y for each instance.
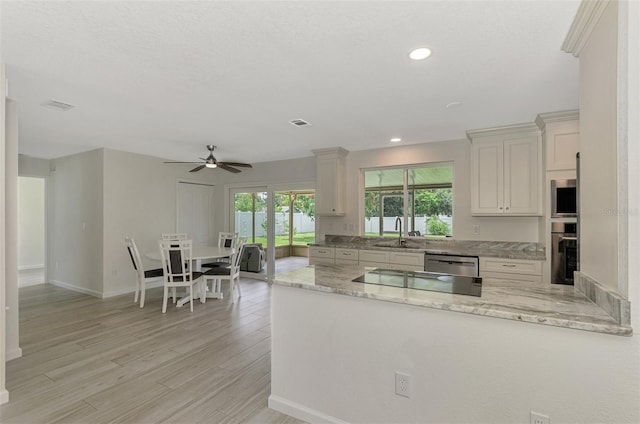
(564, 198)
(564, 252)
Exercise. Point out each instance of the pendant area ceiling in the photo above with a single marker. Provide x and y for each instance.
(169, 77)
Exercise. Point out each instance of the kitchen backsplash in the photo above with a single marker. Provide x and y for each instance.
(359, 242)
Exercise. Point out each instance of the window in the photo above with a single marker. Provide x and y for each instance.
(426, 190)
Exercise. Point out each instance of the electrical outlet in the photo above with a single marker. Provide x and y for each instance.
(476, 229)
(538, 418)
(403, 386)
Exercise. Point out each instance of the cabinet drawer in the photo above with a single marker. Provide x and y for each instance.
(321, 252)
(349, 254)
(313, 260)
(413, 259)
(512, 266)
(374, 256)
(384, 265)
(512, 277)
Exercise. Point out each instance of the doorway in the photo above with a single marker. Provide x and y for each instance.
(31, 231)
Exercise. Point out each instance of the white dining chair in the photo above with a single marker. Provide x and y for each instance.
(174, 236)
(142, 276)
(231, 273)
(176, 258)
(224, 240)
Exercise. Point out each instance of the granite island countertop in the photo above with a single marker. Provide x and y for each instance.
(546, 304)
(495, 249)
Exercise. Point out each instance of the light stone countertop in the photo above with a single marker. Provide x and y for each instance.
(546, 304)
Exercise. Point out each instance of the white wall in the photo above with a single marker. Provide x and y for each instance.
(4, 394)
(77, 222)
(139, 201)
(31, 215)
(459, 152)
(599, 212)
(11, 232)
(337, 360)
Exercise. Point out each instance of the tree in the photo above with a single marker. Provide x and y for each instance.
(434, 202)
(305, 203)
(437, 227)
(244, 202)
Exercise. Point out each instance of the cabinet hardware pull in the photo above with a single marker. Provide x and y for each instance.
(509, 266)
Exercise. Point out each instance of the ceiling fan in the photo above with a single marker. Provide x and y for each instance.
(211, 162)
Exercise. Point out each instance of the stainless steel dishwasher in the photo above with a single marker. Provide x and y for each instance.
(452, 264)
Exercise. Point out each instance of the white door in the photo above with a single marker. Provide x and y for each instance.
(195, 213)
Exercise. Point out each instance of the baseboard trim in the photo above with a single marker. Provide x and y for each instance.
(13, 354)
(76, 288)
(30, 267)
(4, 396)
(301, 412)
(120, 292)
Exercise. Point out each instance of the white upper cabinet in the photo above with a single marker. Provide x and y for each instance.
(331, 181)
(561, 137)
(506, 171)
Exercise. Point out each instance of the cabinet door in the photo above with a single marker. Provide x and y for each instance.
(521, 176)
(330, 190)
(563, 142)
(487, 178)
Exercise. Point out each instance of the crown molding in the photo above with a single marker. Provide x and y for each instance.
(544, 119)
(586, 18)
(331, 151)
(504, 130)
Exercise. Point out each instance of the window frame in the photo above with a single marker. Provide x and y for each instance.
(405, 194)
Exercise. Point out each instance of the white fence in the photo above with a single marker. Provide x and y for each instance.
(301, 223)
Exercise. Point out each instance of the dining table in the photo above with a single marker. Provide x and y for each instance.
(199, 254)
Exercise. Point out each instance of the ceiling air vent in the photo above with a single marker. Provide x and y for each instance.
(60, 106)
(299, 123)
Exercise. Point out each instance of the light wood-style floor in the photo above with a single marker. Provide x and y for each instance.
(90, 360)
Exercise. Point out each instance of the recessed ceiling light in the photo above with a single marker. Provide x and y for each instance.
(395, 140)
(420, 53)
(453, 105)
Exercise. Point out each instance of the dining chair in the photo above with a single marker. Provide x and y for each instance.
(224, 240)
(231, 273)
(176, 256)
(142, 276)
(174, 236)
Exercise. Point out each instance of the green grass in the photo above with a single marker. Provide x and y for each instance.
(300, 239)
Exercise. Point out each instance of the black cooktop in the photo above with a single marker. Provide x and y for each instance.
(420, 280)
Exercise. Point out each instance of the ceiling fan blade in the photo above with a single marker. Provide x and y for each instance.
(226, 167)
(197, 168)
(246, 165)
(182, 162)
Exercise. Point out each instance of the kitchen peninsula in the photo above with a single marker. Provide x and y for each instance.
(335, 340)
(547, 304)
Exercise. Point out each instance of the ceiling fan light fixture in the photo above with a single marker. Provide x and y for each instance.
(211, 165)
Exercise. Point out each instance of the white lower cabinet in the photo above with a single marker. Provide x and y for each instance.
(406, 261)
(346, 256)
(392, 260)
(377, 258)
(511, 269)
(321, 255)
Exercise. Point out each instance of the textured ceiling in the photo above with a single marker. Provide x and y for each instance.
(167, 78)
